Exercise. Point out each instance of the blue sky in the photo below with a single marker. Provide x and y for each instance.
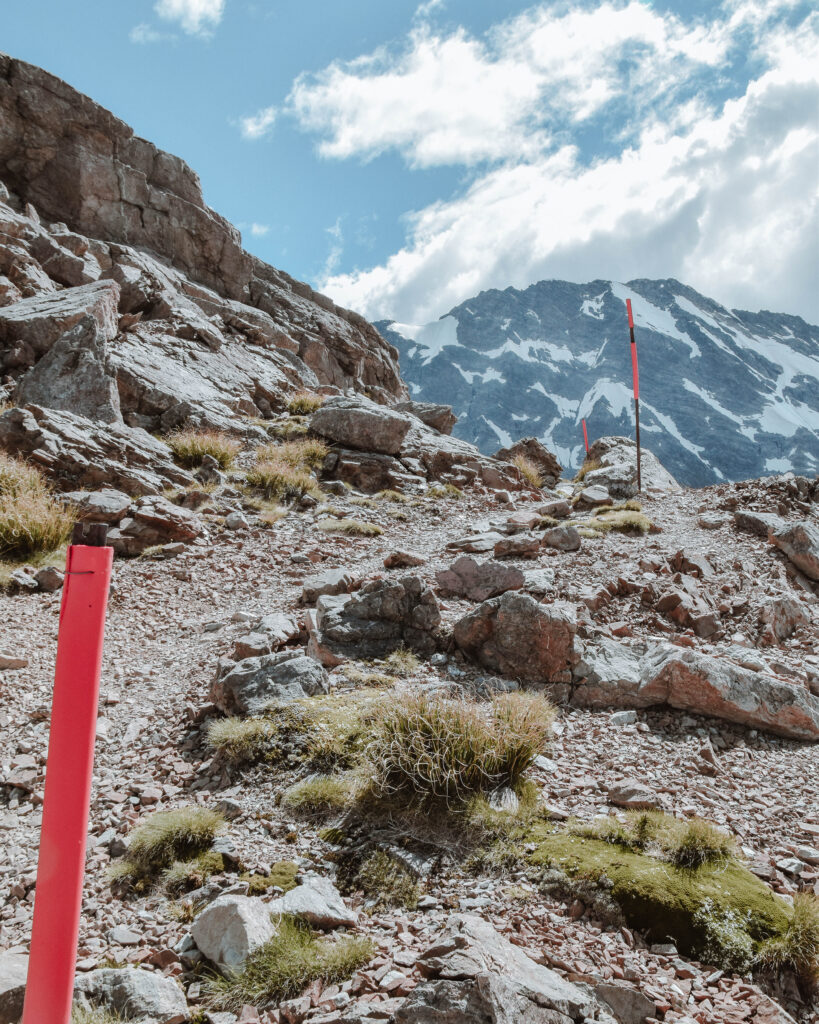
(404, 156)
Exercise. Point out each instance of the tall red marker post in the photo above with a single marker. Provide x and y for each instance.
(585, 437)
(50, 983)
(636, 376)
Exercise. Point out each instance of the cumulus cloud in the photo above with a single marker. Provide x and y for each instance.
(256, 126)
(145, 33)
(196, 17)
(259, 229)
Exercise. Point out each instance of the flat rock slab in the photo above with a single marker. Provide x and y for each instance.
(317, 900)
(476, 542)
(132, 993)
(478, 581)
(331, 581)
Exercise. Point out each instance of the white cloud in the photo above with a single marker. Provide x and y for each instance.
(336, 249)
(256, 126)
(197, 17)
(459, 99)
(423, 10)
(259, 229)
(719, 194)
(144, 33)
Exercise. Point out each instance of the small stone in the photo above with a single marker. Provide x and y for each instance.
(403, 559)
(236, 521)
(633, 794)
(49, 579)
(122, 935)
(621, 718)
(12, 661)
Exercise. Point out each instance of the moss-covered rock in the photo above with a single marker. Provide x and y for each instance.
(282, 875)
(719, 913)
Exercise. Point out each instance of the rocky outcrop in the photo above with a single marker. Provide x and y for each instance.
(125, 211)
(439, 417)
(251, 685)
(800, 542)
(74, 451)
(153, 520)
(541, 458)
(517, 636)
(131, 993)
(478, 581)
(618, 468)
(382, 616)
(360, 423)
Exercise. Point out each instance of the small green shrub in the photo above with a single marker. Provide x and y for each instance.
(322, 794)
(350, 527)
(167, 836)
(241, 740)
(798, 949)
(304, 403)
(444, 491)
(528, 470)
(32, 519)
(433, 746)
(700, 843)
(283, 967)
(386, 881)
(190, 446)
(184, 875)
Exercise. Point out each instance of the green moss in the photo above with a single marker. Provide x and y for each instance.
(165, 837)
(182, 876)
(322, 794)
(282, 875)
(718, 912)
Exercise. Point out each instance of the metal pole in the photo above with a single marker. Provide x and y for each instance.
(636, 378)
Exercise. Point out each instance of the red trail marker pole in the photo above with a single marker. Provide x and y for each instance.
(636, 376)
(61, 865)
(585, 437)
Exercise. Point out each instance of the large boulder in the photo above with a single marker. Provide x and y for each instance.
(517, 636)
(478, 581)
(103, 506)
(131, 993)
(318, 901)
(382, 616)
(29, 328)
(74, 375)
(618, 468)
(154, 520)
(439, 417)
(537, 453)
(357, 422)
(482, 977)
(370, 471)
(249, 686)
(231, 927)
(13, 971)
(74, 451)
(800, 542)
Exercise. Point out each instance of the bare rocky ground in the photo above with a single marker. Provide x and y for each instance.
(171, 620)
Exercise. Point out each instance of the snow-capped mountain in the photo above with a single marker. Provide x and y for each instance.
(724, 394)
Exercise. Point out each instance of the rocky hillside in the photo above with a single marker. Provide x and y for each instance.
(391, 731)
(725, 394)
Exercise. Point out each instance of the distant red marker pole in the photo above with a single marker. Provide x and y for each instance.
(636, 375)
(585, 437)
(61, 865)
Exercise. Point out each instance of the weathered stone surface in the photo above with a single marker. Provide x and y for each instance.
(509, 987)
(317, 900)
(532, 449)
(520, 545)
(800, 542)
(627, 1004)
(331, 581)
(154, 520)
(608, 673)
(559, 508)
(439, 417)
(74, 375)
(103, 506)
(633, 795)
(779, 617)
(267, 635)
(248, 686)
(564, 538)
(478, 581)
(132, 993)
(13, 970)
(28, 329)
(593, 495)
(369, 471)
(516, 636)
(403, 560)
(476, 542)
(49, 579)
(231, 927)
(376, 620)
(76, 452)
(618, 468)
(357, 422)
(761, 524)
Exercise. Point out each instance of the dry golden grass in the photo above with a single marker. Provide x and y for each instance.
(798, 949)
(241, 740)
(190, 446)
(587, 467)
(309, 452)
(32, 519)
(351, 527)
(528, 470)
(303, 403)
(282, 482)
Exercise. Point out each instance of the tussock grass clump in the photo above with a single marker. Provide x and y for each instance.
(322, 794)
(700, 843)
(798, 949)
(432, 746)
(387, 883)
(291, 428)
(94, 1015)
(283, 967)
(685, 844)
(241, 740)
(394, 496)
(351, 527)
(282, 876)
(363, 502)
(310, 452)
(168, 836)
(528, 470)
(32, 519)
(402, 662)
(184, 875)
(190, 446)
(587, 467)
(282, 482)
(444, 491)
(304, 403)
(620, 520)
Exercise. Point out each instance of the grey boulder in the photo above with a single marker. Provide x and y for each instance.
(318, 901)
(13, 971)
(132, 993)
(232, 927)
(357, 422)
(800, 542)
(249, 686)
